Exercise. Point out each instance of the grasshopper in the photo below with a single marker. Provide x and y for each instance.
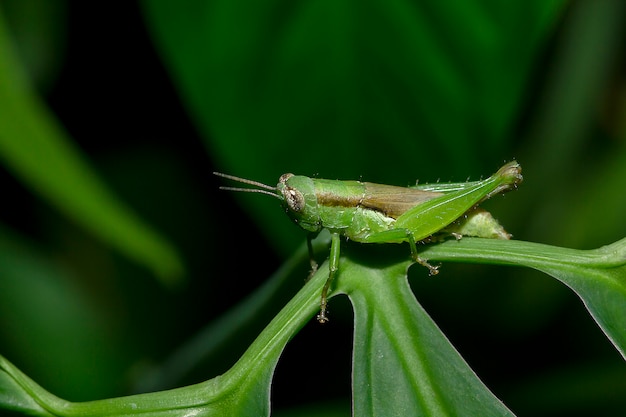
(376, 213)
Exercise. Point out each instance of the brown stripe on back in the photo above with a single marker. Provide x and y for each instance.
(390, 200)
(334, 200)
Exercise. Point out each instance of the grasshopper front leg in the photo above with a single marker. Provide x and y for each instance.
(333, 265)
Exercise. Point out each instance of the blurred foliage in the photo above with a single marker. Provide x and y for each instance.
(46, 161)
(389, 92)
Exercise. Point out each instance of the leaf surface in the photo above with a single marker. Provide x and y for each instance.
(597, 276)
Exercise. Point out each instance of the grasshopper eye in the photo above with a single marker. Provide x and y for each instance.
(294, 199)
(283, 178)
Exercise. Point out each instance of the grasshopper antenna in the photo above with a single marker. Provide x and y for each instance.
(262, 187)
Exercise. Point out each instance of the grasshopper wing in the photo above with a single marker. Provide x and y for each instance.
(394, 201)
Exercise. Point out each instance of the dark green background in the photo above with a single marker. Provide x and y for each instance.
(158, 94)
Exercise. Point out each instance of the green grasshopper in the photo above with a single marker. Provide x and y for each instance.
(375, 213)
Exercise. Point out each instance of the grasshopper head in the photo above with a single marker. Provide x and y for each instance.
(300, 201)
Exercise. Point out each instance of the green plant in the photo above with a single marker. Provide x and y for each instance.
(402, 363)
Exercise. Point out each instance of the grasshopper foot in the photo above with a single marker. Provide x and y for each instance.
(432, 270)
(322, 317)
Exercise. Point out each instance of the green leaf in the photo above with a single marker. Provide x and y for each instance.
(403, 364)
(13, 396)
(597, 276)
(242, 391)
(231, 329)
(36, 149)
